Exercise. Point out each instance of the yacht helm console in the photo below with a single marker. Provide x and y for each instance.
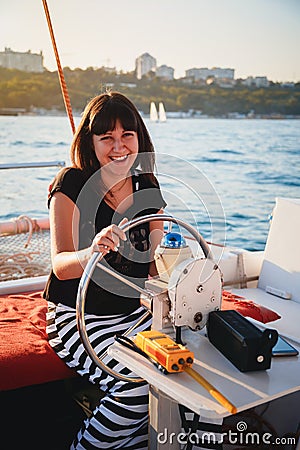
(187, 289)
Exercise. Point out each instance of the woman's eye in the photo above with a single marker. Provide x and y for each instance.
(128, 134)
(105, 138)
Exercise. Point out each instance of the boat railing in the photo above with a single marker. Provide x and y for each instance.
(29, 165)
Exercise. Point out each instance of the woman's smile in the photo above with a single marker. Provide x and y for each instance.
(119, 158)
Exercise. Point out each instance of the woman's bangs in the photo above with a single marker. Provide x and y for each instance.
(106, 119)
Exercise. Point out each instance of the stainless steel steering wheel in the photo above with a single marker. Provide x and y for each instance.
(86, 277)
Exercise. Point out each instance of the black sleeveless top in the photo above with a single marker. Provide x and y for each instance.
(106, 295)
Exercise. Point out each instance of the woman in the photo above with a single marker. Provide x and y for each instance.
(110, 181)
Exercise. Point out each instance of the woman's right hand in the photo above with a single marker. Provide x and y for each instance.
(108, 239)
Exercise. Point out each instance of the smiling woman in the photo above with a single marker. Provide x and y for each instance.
(111, 180)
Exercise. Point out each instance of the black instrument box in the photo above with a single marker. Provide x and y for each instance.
(244, 344)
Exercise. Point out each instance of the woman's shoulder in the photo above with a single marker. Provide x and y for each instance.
(69, 173)
(69, 181)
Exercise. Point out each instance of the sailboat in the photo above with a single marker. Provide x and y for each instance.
(162, 112)
(157, 116)
(33, 378)
(153, 112)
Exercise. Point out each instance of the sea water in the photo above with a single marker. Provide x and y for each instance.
(221, 176)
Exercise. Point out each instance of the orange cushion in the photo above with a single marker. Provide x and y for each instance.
(247, 308)
(26, 357)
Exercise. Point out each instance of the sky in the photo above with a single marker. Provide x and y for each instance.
(254, 37)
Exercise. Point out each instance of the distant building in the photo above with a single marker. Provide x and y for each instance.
(144, 64)
(256, 81)
(109, 69)
(205, 73)
(165, 72)
(128, 85)
(226, 83)
(27, 61)
(287, 84)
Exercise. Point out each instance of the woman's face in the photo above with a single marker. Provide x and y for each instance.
(116, 149)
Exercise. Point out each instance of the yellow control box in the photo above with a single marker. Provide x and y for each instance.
(161, 348)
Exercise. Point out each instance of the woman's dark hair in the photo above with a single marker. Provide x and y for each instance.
(99, 116)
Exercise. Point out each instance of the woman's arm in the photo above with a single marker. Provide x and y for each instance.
(156, 235)
(67, 261)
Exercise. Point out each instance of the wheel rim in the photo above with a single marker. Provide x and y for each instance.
(85, 280)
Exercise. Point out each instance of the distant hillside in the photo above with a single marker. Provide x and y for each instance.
(42, 90)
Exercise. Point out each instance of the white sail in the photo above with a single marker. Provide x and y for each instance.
(153, 112)
(162, 112)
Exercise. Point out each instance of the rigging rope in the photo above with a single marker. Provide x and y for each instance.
(62, 80)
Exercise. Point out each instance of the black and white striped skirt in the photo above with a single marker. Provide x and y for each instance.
(120, 421)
